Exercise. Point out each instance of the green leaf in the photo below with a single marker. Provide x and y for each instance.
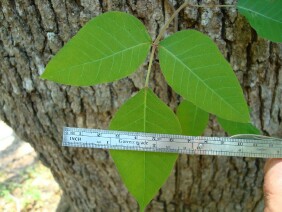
(265, 16)
(144, 173)
(233, 128)
(192, 119)
(109, 47)
(194, 67)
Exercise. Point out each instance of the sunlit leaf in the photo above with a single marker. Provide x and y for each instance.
(194, 67)
(233, 128)
(144, 173)
(109, 47)
(265, 16)
(192, 119)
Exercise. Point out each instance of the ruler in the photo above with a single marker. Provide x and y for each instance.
(240, 146)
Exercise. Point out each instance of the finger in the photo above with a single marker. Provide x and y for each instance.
(273, 185)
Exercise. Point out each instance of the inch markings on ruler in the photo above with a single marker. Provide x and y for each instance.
(151, 142)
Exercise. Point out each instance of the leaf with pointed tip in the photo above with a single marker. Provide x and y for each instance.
(144, 173)
(109, 47)
(194, 67)
(234, 128)
(265, 16)
(192, 119)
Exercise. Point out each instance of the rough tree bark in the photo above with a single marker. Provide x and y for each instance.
(31, 32)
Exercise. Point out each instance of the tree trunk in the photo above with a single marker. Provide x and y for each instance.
(31, 32)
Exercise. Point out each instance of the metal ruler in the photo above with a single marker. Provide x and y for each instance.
(244, 146)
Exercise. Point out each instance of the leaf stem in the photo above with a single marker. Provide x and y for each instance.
(150, 65)
(157, 40)
(212, 6)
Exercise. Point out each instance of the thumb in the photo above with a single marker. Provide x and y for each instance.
(273, 185)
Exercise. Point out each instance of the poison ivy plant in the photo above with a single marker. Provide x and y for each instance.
(193, 120)
(114, 44)
(144, 172)
(265, 16)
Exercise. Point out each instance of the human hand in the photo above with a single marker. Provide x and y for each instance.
(273, 185)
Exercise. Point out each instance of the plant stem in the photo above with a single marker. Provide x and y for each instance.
(212, 6)
(157, 40)
(150, 65)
